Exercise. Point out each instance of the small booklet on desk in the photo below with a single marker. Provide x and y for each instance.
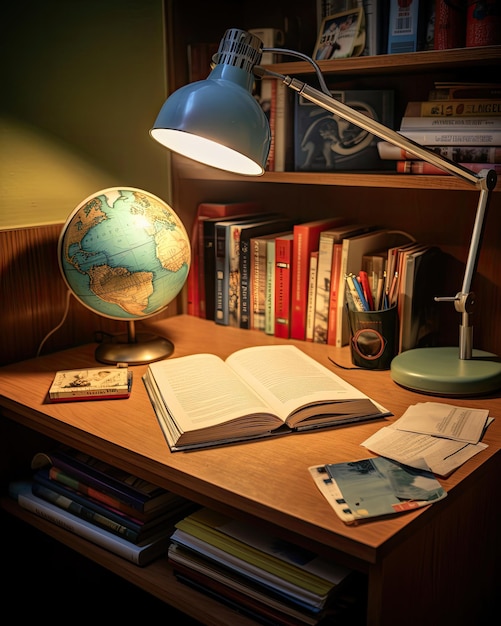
(95, 383)
(201, 400)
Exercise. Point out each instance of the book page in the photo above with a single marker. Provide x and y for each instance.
(201, 391)
(288, 379)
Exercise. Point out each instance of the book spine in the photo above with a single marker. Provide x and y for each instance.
(459, 154)
(458, 108)
(334, 287)
(257, 283)
(483, 23)
(41, 477)
(140, 555)
(84, 512)
(135, 492)
(92, 492)
(201, 304)
(454, 137)
(453, 123)
(270, 88)
(450, 25)
(403, 26)
(222, 282)
(306, 240)
(232, 266)
(269, 302)
(465, 93)
(245, 281)
(422, 167)
(325, 250)
(312, 292)
(283, 275)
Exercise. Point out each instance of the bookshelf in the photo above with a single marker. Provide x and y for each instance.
(289, 505)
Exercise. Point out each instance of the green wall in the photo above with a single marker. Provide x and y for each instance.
(81, 84)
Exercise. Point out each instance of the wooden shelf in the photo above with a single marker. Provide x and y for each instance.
(437, 61)
(189, 170)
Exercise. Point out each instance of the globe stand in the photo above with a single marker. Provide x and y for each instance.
(134, 349)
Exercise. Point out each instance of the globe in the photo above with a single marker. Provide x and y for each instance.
(125, 254)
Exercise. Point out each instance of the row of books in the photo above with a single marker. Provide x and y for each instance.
(111, 508)
(393, 26)
(460, 121)
(266, 578)
(249, 272)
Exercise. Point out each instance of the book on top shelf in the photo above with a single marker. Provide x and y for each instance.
(95, 383)
(141, 553)
(454, 137)
(457, 108)
(201, 400)
(370, 488)
(306, 240)
(324, 141)
(422, 167)
(459, 154)
(407, 26)
(465, 91)
(450, 123)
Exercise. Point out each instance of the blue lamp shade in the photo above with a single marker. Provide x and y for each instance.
(217, 122)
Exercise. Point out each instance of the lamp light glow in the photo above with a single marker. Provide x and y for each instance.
(221, 110)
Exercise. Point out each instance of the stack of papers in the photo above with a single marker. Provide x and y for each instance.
(432, 436)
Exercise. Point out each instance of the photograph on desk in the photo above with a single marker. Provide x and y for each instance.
(201, 400)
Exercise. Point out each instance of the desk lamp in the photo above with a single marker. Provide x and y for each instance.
(218, 122)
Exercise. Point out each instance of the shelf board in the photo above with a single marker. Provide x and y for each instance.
(427, 61)
(189, 170)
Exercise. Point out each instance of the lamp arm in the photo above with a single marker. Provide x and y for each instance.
(485, 181)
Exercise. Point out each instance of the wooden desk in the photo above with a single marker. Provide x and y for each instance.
(432, 566)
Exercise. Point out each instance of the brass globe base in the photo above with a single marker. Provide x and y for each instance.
(146, 348)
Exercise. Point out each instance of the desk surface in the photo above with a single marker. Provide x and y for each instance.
(264, 479)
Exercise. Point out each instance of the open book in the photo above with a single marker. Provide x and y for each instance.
(201, 400)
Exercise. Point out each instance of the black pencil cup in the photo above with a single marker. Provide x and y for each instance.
(373, 338)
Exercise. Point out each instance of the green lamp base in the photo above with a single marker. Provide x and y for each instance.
(440, 371)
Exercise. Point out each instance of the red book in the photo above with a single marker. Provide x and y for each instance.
(306, 240)
(450, 25)
(483, 23)
(195, 283)
(283, 275)
(422, 167)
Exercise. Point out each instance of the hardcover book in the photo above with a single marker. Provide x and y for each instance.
(201, 400)
(97, 383)
(406, 26)
(466, 154)
(447, 108)
(375, 487)
(306, 241)
(225, 271)
(283, 278)
(324, 141)
(312, 294)
(259, 277)
(195, 283)
(244, 278)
